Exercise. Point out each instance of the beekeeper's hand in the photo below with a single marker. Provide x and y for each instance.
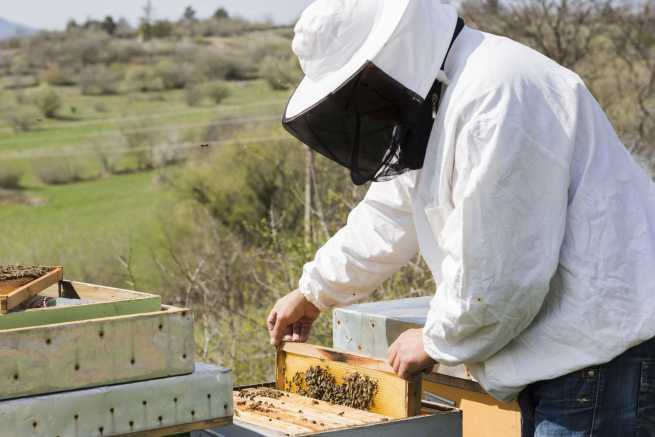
(407, 355)
(291, 318)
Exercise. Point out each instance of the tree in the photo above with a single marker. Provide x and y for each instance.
(189, 14)
(71, 25)
(635, 46)
(563, 30)
(221, 13)
(109, 25)
(123, 29)
(145, 29)
(161, 29)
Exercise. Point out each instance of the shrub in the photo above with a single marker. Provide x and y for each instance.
(20, 65)
(173, 75)
(22, 82)
(47, 101)
(142, 79)
(214, 91)
(280, 74)
(100, 80)
(217, 91)
(10, 177)
(100, 107)
(140, 141)
(194, 95)
(62, 171)
(212, 65)
(22, 119)
(55, 75)
(91, 47)
(110, 153)
(221, 27)
(124, 51)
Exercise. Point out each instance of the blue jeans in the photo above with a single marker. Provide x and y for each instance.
(616, 399)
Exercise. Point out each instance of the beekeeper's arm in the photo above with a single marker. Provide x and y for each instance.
(378, 240)
(503, 236)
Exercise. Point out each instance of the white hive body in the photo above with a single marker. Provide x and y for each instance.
(204, 395)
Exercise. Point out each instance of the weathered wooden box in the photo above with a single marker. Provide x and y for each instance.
(445, 423)
(95, 302)
(293, 415)
(370, 329)
(160, 407)
(278, 409)
(118, 336)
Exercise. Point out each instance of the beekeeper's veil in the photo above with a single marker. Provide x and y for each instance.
(370, 89)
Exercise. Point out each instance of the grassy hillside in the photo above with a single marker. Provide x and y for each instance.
(85, 226)
(67, 205)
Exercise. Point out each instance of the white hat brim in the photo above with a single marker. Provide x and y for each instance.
(309, 92)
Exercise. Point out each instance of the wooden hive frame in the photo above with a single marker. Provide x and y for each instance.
(98, 302)
(396, 397)
(295, 415)
(16, 291)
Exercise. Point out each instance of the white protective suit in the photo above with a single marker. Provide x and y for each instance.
(535, 221)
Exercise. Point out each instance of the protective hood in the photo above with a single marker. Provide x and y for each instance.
(406, 39)
(378, 121)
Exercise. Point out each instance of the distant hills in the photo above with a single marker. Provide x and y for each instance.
(11, 30)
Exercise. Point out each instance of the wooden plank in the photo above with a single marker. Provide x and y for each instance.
(353, 413)
(24, 292)
(324, 353)
(396, 397)
(181, 429)
(302, 407)
(293, 414)
(483, 416)
(105, 294)
(113, 303)
(271, 423)
(88, 353)
(7, 287)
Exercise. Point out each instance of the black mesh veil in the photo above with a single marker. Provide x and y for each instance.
(372, 124)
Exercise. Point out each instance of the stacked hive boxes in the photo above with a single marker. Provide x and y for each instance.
(117, 363)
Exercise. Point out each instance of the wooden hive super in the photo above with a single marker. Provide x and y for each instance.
(277, 410)
(116, 336)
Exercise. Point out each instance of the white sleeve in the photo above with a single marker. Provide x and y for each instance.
(501, 239)
(378, 240)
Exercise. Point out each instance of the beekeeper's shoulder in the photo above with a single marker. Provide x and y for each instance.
(498, 75)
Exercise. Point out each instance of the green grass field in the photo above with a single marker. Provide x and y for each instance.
(161, 111)
(93, 228)
(86, 226)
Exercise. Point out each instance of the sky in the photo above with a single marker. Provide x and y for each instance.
(54, 14)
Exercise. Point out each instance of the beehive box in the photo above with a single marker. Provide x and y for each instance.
(160, 407)
(93, 302)
(118, 336)
(278, 409)
(370, 329)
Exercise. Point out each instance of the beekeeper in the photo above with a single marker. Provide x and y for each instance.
(499, 167)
